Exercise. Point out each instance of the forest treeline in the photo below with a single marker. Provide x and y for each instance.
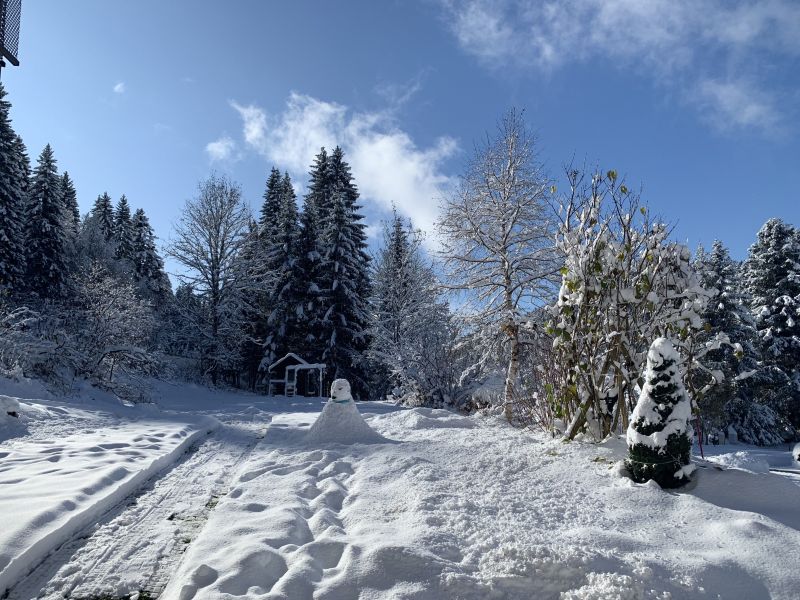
(540, 303)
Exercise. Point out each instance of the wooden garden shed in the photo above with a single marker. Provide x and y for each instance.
(293, 376)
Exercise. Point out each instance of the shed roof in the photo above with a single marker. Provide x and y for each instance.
(289, 355)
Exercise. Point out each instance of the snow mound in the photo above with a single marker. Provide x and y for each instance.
(9, 408)
(741, 460)
(430, 418)
(606, 586)
(10, 422)
(340, 422)
(796, 452)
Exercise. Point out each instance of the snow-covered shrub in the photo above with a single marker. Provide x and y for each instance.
(624, 283)
(114, 326)
(35, 343)
(659, 436)
(756, 423)
(796, 452)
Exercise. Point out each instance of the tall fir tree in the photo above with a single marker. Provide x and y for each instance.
(13, 185)
(72, 214)
(315, 210)
(409, 324)
(103, 213)
(343, 319)
(46, 238)
(267, 271)
(269, 209)
(123, 231)
(726, 312)
(772, 277)
(152, 280)
(286, 291)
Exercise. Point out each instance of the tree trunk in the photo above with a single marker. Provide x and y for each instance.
(512, 374)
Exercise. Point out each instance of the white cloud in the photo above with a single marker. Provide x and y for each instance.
(389, 167)
(678, 42)
(734, 104)
(119, 88)
(222, 149)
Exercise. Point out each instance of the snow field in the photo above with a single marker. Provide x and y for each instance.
(138, 545)
(52, 488)
(469, 508)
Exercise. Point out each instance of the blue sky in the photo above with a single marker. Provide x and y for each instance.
(696, 101)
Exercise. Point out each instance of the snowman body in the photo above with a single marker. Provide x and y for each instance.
(340, 422)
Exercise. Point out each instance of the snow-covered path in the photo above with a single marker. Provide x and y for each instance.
(138, 544)
(54, 488)
(469, 508)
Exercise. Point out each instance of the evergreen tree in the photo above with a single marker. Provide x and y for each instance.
(271, 206)
(46, 239)
(250, 275)
(13, 184)
(342, 319)
(261, 249)
(772, 267)
(103, 213)
(659, 438)
(72, 213)
(284, 326)
(123, 231)
(727, 313)
(772, 277)
(409, 325)
(149, 271)
(315, 210)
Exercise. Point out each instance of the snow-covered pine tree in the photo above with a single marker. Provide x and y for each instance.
(13, 184)
(123, 232)
(726, 312)
(316, 206)
(262, 345)
(46, 238)
(103, 214)
(772, 277)
(269, 209)
(285, 328)
(72, 213)
(152, 281)
(659, 435)
(344, 281)
(409, 324)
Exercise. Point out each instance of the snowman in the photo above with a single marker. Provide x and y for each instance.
(340, 422)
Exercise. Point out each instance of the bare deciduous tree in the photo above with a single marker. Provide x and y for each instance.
(497, 233)
(207, 241)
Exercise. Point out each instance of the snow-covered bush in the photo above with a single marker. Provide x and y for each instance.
(36, 343)
(624, 283)
(796, 452)
(659, 436)
(756, 423)
(114, 326)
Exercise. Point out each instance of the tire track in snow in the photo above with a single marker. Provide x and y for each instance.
(138, 544)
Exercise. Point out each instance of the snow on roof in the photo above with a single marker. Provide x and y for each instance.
(289, 355)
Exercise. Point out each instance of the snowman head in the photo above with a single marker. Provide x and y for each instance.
(340, 390)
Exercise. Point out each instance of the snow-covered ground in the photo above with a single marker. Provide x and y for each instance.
(447, 507)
